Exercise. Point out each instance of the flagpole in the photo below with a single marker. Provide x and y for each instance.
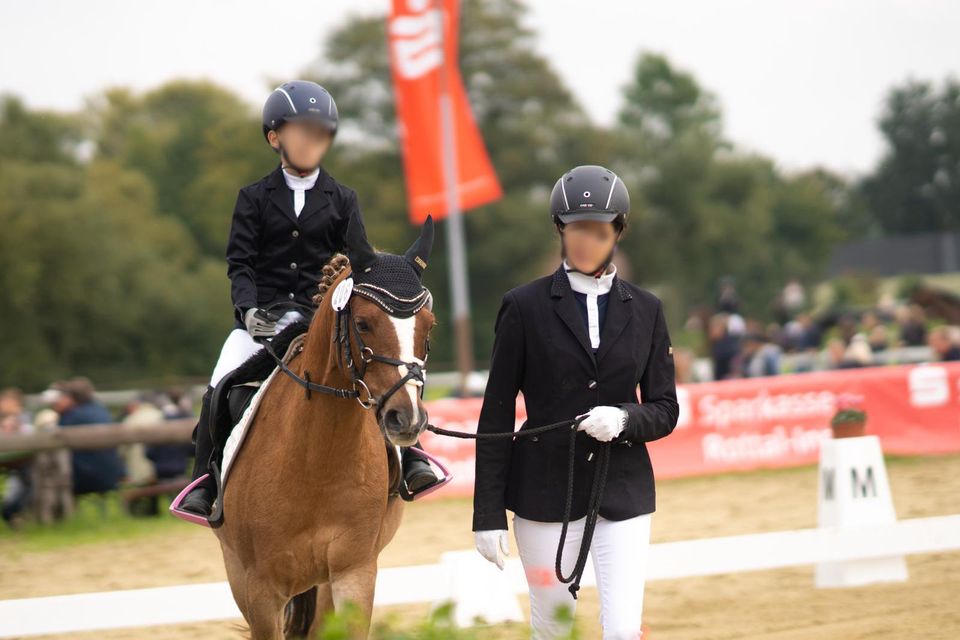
(457, 251)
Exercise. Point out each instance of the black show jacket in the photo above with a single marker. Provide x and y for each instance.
(273, 255)
(542, 348)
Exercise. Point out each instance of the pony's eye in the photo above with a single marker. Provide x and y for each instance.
(362, 325)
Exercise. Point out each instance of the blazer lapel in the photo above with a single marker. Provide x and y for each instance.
(565, 305)
(617, 317)
(281, 195)
(315, 199)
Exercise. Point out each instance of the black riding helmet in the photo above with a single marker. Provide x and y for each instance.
(591, 192)
(299, 100)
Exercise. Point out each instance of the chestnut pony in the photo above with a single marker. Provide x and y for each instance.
(307, 505)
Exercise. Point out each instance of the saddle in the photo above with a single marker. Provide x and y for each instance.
(232, 394)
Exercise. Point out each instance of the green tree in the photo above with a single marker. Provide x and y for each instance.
(702, 210)
(96, 282)
(197, 144)
(916, 186)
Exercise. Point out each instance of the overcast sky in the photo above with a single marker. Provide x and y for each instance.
(800, 80)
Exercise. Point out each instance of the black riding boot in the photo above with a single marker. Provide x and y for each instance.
(417, 472)
(200, 500)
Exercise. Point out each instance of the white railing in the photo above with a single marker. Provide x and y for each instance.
(479, 588)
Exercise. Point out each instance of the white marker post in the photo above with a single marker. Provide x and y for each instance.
(854, 492)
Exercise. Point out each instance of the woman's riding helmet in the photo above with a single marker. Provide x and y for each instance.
(590, 192)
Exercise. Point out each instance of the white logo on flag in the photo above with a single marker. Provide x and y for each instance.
(415, 40)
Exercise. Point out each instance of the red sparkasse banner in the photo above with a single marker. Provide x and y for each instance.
(415, 31)
(779, 421)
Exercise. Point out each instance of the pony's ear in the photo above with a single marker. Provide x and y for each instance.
(359, 251)
(419, 252)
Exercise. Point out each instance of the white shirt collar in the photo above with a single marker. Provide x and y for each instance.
(298, 182)
(582, 283)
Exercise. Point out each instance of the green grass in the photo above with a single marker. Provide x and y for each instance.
(96, 519)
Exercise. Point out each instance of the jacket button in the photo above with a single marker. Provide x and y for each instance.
(293, 265)
(592, 384)
(296, 234)
(290, 295)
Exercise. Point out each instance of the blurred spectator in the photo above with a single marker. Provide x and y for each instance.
(886, 307)
(868, 321)
(847, 324)
(140, 412)
(17, 488)
(728, 301)
(170, 460)
(791, 301)
(94, 470)
(834, 353)
(759, 357)
(943, 344)
(723, 347)
(913, 330)
(52, 470)
(878, 339)
(802, 334)
(858, 353)
(736, 325)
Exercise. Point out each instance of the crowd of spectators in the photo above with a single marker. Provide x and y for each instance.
(742, 347)
(72, 403)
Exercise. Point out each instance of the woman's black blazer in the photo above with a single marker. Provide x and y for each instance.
(542, 349)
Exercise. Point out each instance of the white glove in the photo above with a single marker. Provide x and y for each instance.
(258, 326)
(492, 545)
(604, 423)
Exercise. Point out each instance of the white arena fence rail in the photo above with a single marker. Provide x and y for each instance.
(466, 579)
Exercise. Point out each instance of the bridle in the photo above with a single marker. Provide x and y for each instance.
(346, 323)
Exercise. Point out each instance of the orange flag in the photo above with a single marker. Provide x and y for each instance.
(423, 54)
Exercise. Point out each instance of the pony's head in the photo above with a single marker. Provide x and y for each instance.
(382, 330)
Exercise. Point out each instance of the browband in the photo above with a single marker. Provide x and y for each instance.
(391, 303)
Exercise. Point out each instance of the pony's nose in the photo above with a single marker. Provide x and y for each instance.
(396, 421)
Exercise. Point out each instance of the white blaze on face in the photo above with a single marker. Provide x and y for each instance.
(405, 328)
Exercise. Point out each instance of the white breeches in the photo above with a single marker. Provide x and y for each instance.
(239, 346)
(619, 552)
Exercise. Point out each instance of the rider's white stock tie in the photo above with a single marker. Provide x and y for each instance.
(300, 185)
(592, 287)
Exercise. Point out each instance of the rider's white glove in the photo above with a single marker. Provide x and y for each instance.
(492, 545)
(257, 326)
(604, 422)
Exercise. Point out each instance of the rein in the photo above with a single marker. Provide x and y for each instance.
(593, 504)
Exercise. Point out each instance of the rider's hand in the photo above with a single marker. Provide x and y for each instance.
(258, 326)
(492, 545)
(604, 422)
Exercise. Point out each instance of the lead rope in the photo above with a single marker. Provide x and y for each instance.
(596, 491)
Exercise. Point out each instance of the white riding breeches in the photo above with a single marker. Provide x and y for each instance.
(619, 552)
(239, 346)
